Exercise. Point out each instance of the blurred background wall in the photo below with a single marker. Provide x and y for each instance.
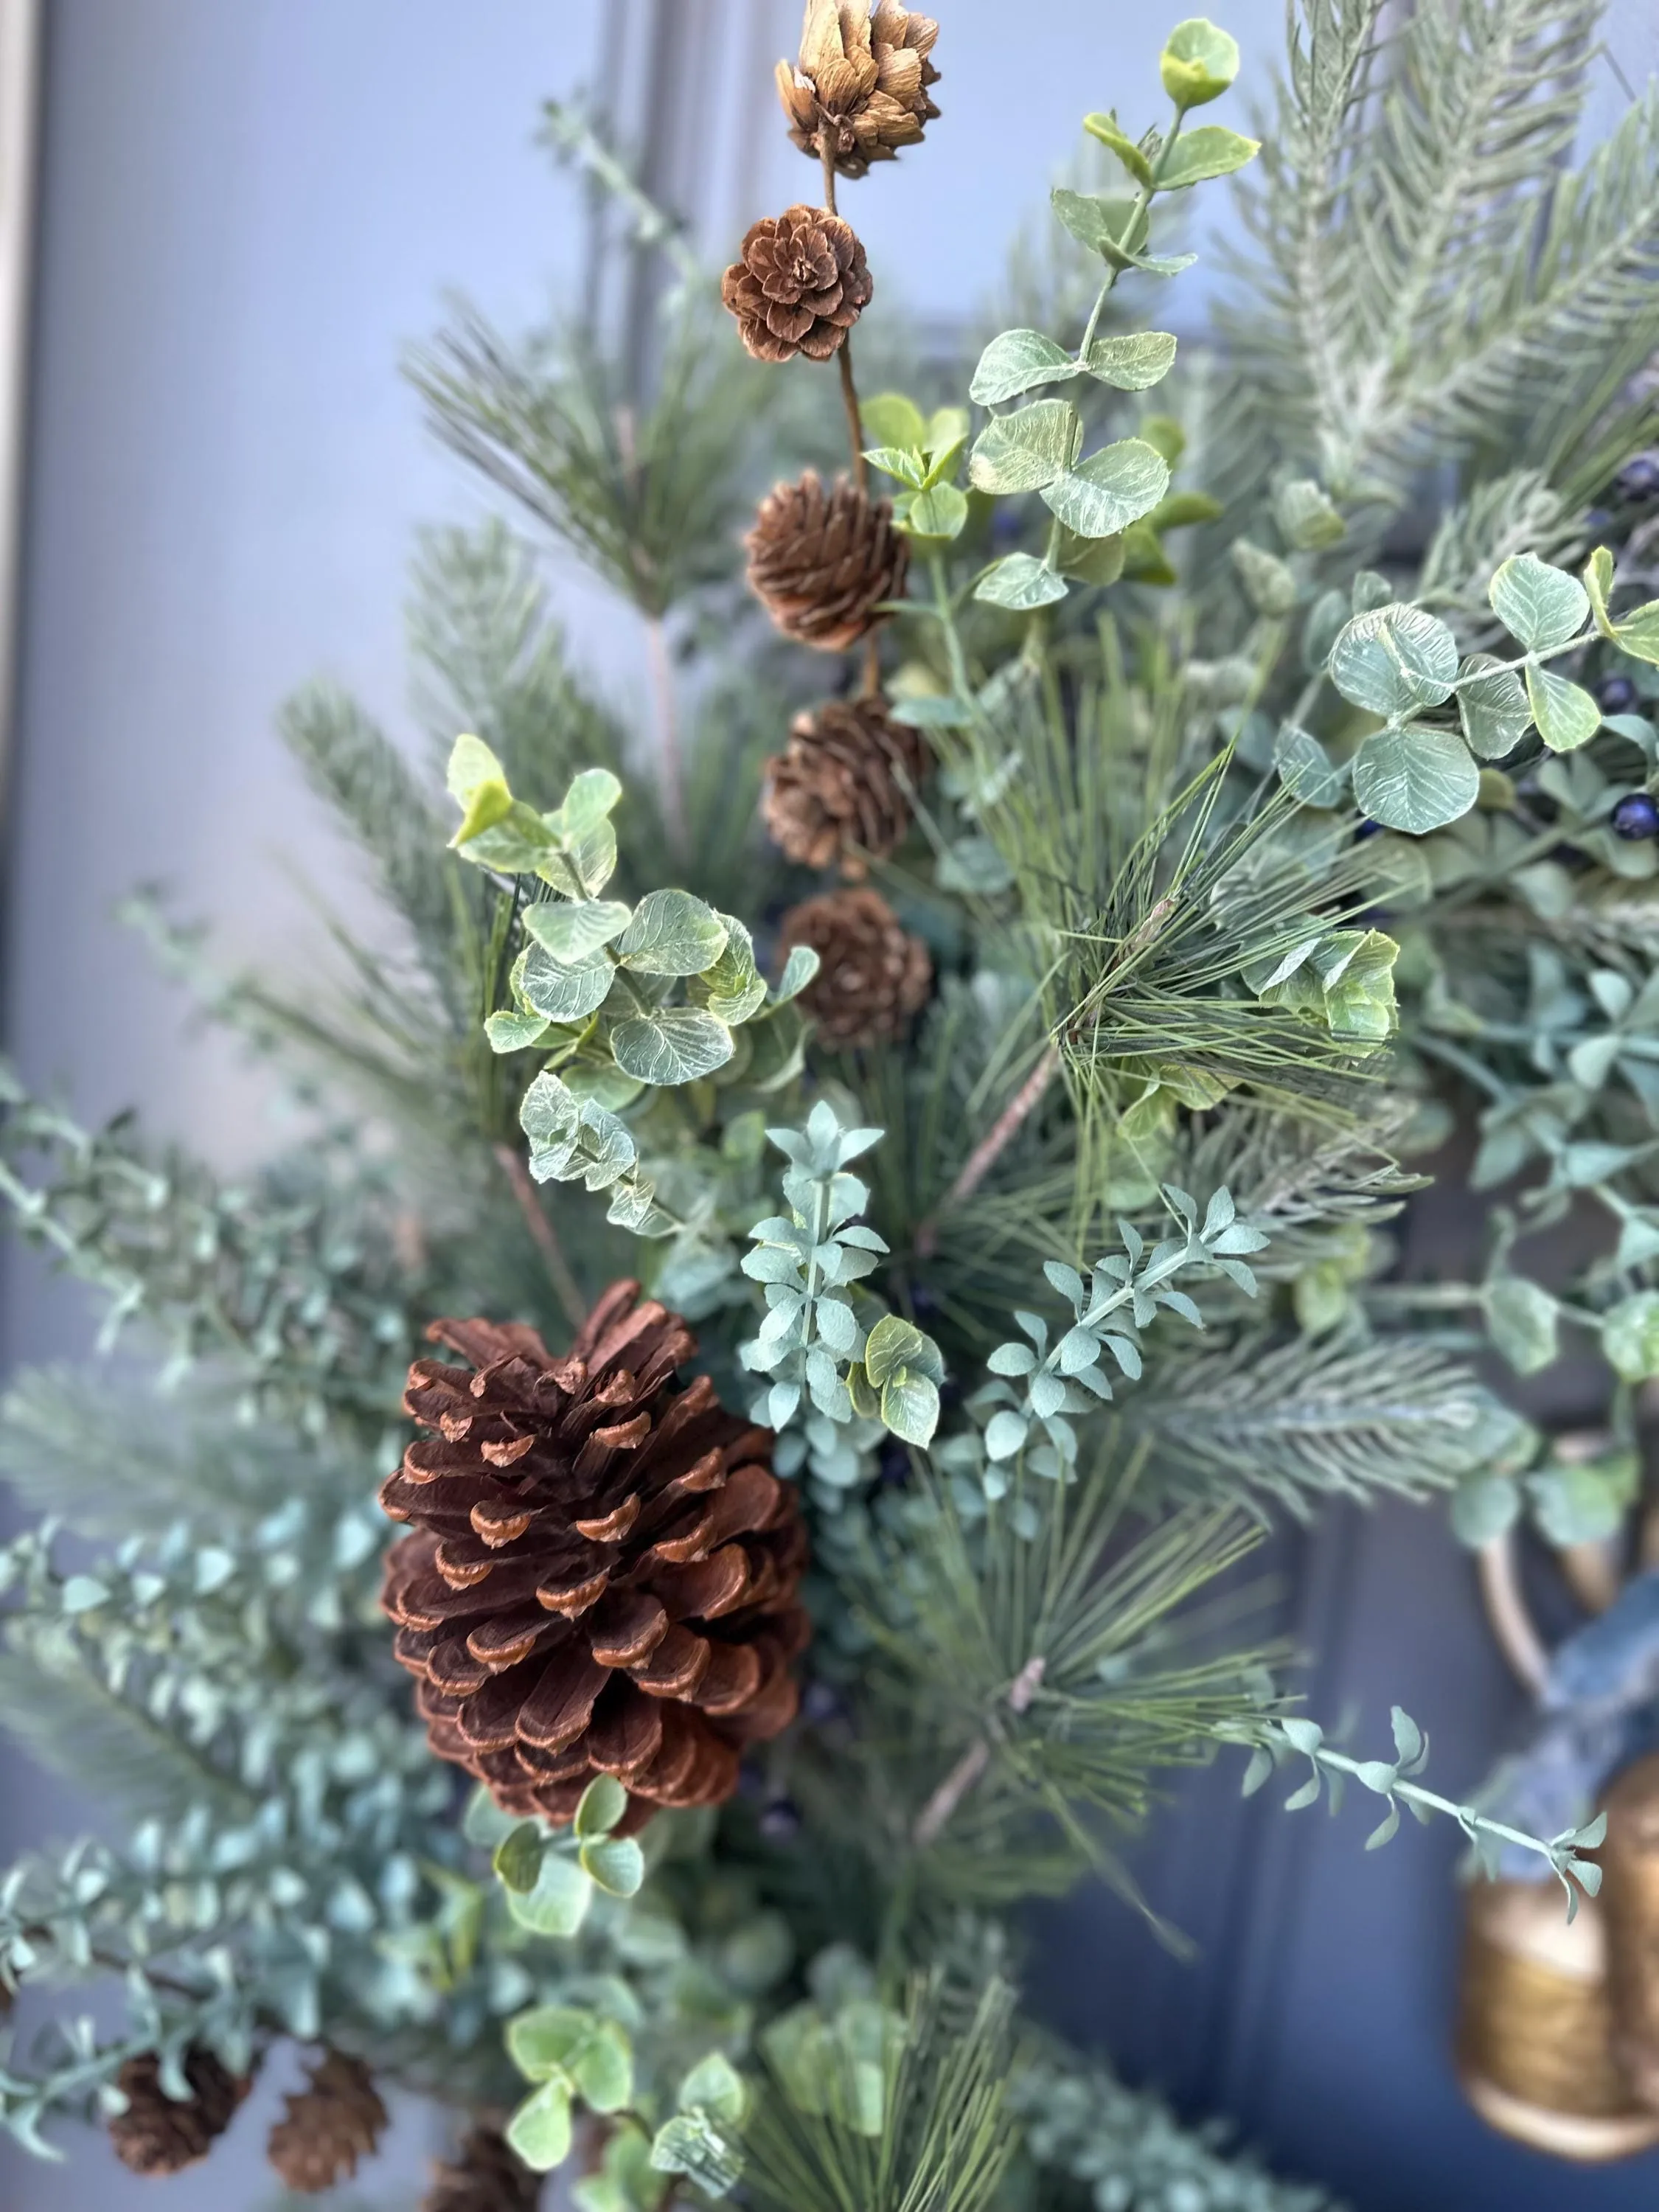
(244, 210)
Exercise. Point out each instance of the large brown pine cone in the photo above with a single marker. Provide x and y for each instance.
(840, 788)
(874, 974)
(822, 560)
(486, 2175)
(604, 1579)
(861, 82)
(800, 285)
(158, 2134)
(327, 2127)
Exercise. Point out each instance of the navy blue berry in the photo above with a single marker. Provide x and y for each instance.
(820, 1704)
(1636, 816)
(780, 1822)
(1639, 477)
(1368, 828)
(1616, 694)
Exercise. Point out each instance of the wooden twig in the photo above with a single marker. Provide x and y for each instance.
(566, 1288)
(930, 1820)
(986, 1153)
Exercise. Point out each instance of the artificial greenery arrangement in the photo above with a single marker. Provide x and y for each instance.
(851, 1220)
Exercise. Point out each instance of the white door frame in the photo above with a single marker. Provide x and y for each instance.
(20, 78)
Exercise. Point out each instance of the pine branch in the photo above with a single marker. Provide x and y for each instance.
(296, 1281)
(650, 497)
(1315, 1419)
(373, 791)
(919, 2125)
(116, 1461)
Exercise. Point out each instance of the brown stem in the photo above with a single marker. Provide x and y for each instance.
(849, 395)
(949, 1793)
(670, 773)
(930, 1820)
(565, 1286)
(986, 1153)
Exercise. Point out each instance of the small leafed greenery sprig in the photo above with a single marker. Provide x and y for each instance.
(845, 1367)
(1278, 1739)
(1124, 1294)
(1400, 663)
(1106, 508)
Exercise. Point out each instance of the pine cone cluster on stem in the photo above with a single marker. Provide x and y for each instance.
(158, 2134)
(859, 86)
(873, 975)
(486, 2175)
(328, 2126)
(822, 560)
(604, 1573)
(841, 789)
(799, 284)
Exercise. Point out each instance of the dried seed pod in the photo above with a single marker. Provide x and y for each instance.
(860, 86)
(840, 792)
(873, 974)
(604, 1579)
(328, 2126)
(799, 286)
(822, 560)
(158, 2134)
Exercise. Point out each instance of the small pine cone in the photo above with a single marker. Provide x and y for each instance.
(843, 781)
(860, 84)
(487, 2176)
(799, 286)
(874, 974)
(158, 2134)
(328, 2127)
(823, 562)
(604, 1573)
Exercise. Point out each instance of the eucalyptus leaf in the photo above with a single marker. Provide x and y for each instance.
(940, 512)
(1415, 778)
(1522, 1321)
(1492, 706)
(1567, 717)
(1630, 1336)
(1108, 130)
(1112, 488)
(1024, 450)
(675, 1044)
(1212, 150)
(572, 931)
(1307, 770)
(671, 933)
(1132, 361)
(1541, 605)
(561, 994)
(540, 2131)
(1019, 581)
(1111, 227)
(1016, 362)
(1198, 64)
(909, 1408)
(1394, 661)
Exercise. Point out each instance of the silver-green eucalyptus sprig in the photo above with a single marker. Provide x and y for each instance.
(1125, 1292)
(1275, 1741)
(1037, 447)
(1400, 663)
(834, 1357)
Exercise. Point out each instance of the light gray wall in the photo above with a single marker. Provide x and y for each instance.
(248, 206)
